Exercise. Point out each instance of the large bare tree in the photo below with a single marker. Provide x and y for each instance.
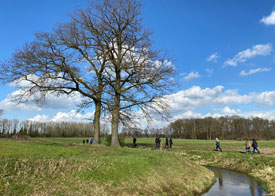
(69, 60)
(138, 76)
(105, 54)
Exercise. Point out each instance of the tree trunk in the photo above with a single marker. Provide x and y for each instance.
(115, 121)
(97, 122)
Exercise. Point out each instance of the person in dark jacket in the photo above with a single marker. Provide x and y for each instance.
(218, 145)
(255, 146)
(134, 142)
(158, 141)
(170, 142)
(166, 143)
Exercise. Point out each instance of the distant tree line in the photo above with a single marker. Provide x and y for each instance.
(152, 132)
(9, 128)
(235, 127)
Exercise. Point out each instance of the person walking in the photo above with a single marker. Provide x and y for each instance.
(91, 140)
(170, 142)
(218, 145)
(134, 142)
(166, 143)
(255, 146)
(247, 146)
(156, 142)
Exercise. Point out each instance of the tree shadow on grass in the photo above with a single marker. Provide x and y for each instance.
(141, 145)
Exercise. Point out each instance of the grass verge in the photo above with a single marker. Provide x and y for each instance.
(233, 157)
(60, 166)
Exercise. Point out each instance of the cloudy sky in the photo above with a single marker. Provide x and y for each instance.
(223, 50)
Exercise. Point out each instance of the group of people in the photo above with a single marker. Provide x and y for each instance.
(247, 146)
(254, 146)
(87, 141)
(168, 142)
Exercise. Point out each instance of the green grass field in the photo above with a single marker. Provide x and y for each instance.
(233, 157)
(64, 166)
(200, 143)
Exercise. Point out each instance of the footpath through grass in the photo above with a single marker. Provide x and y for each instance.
(233, 157)
(64, 166)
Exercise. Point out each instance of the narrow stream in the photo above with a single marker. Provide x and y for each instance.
(234, 183)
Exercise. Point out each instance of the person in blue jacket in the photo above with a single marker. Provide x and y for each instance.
(91, 140)
(255, 146)
(218, 145)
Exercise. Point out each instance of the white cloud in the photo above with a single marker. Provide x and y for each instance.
(257, 50)
(269, 20)
(270, 115)
(265, 98)
(191, 75)
(40, 118)
(21, 83)
(52, 101)
(187, 114)
(185, 104)
(72, 116)
(253, 71)
(62, 101)
(230, 112)
(196, 97)
(188, 104)
(9, 104)
(213, 57)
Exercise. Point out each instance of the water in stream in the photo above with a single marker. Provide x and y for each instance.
(230, 183)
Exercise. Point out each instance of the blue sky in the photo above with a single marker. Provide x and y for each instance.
(223, 50)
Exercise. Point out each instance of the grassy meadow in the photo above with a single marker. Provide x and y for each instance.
(64, 166)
